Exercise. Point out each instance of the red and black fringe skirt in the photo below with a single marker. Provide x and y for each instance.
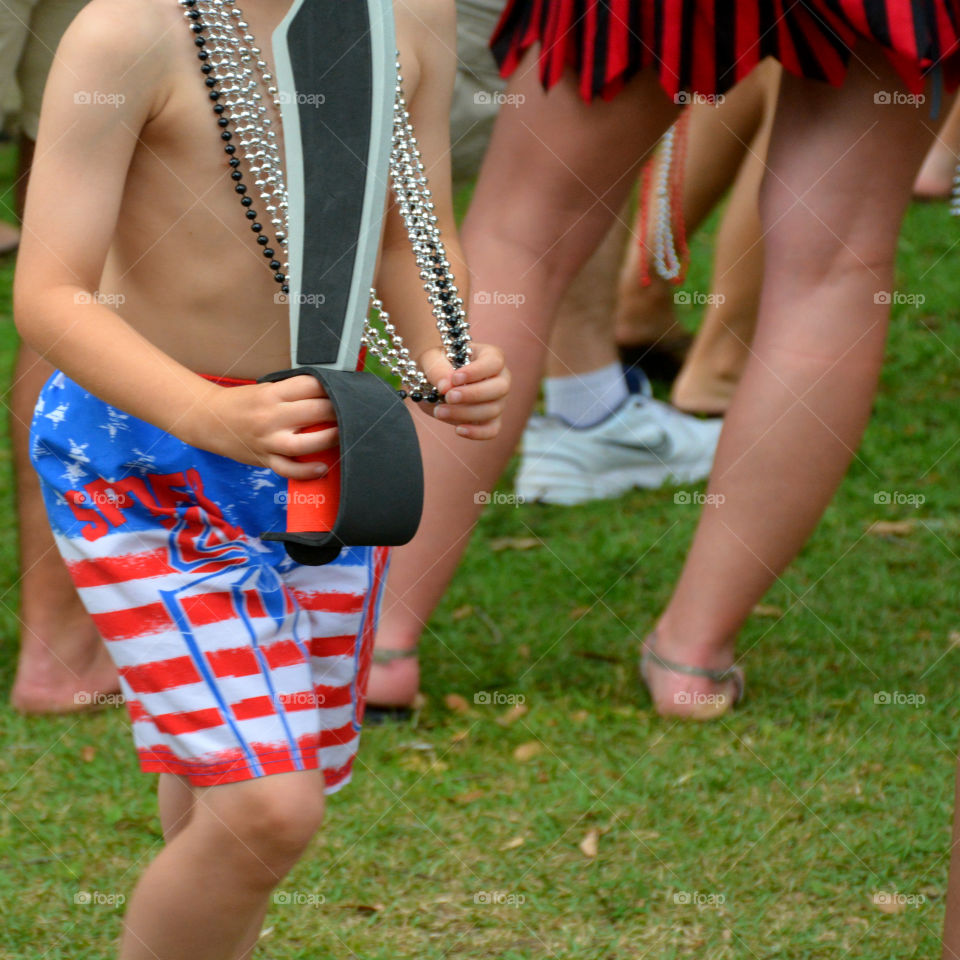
(706, 46)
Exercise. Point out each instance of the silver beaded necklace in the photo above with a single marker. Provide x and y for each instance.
(237, 77)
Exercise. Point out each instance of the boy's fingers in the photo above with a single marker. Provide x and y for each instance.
(304, 444)
(306, 413)
(483, 392)
(469, 412)
(439, 371)
(292, 469)
(301, 387)
(486, 363)
(479, 431)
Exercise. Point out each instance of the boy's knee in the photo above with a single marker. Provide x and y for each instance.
(269, 821)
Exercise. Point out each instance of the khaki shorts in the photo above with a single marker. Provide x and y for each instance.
(478, 84)
(30, 31)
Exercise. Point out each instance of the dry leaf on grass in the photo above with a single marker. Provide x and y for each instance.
(580, 716)
(590, 843)
(512, 715)
(527, 751)
(514, 843)
(764, 610)
(362, 907)
(892, 528)
(889, 902)
(460, 736)
(514, 543)
(464, 798)
(461, 613)
(88, 753)
(456, 703)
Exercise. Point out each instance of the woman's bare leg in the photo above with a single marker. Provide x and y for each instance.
(543, 202)
(718, 138)
(63, 663)
(715, 363)
(806, 394)
(935, 179)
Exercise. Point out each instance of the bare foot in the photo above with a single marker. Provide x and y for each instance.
(695, 685)
(395, 683)
(71, 672)
(935, 179)
(9, 237)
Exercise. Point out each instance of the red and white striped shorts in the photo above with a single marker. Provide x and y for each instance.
(235, 661)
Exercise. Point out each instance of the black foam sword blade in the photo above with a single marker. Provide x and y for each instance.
(334, 62)
(336, 80)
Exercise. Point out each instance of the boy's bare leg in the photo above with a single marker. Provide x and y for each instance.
(951, 926)
(806, 394)
(177, 799)
(61, 653)
(199, 896)
(717, 140)
(543, 202)
(935, 179)
(715, 363)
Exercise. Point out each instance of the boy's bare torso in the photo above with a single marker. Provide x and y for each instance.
(184, 268)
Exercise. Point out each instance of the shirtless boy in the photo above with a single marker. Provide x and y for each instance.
(161, 462)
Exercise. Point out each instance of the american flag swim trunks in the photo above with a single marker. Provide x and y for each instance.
(234, 661)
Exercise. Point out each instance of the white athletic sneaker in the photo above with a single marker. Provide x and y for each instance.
(644, 443)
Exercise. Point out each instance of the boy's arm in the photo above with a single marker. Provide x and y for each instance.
(475, 392)
(109, 78)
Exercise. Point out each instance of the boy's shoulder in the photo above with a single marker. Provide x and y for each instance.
(437, 19)
(123, 33)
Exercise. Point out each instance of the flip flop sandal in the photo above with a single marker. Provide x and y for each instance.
(720, 675)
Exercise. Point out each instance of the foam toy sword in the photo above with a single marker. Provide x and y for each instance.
(336, 78)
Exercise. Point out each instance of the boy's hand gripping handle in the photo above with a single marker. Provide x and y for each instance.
(373, 492)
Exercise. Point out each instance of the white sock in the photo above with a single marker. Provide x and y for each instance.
(586, 398)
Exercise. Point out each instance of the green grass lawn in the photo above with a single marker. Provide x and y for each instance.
(766, 835)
